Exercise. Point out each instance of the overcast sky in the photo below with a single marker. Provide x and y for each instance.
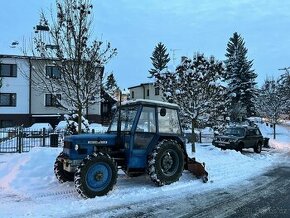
(184, 26)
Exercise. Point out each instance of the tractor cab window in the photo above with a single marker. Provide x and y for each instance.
(168, 121)
(146, 128)
(147, 122)
(128, 115)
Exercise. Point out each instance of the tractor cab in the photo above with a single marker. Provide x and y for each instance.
(142, 124)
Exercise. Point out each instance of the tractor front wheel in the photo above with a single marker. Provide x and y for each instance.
(96, 175)
(166, 163)
(60, 173)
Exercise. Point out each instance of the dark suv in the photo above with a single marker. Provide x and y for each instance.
(239, 137)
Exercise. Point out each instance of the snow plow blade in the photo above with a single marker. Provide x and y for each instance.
(197, 169)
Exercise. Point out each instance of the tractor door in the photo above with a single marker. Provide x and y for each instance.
(143, 135)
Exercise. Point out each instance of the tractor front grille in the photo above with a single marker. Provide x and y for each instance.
(67, 145)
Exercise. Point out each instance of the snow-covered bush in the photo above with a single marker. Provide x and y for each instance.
(72, 123)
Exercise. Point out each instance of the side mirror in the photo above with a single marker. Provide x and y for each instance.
(162, 112)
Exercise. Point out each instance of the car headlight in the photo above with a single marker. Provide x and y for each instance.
(76, 147)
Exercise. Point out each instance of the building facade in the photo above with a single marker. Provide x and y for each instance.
(22, 102)
(14, 90)
(145, 91)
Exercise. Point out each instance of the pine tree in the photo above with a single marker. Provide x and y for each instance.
(159, 58)
(284, 88)
(0, 77)
(284, 82)
(240, 77)
(111, 86)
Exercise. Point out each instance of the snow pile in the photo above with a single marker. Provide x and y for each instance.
(282, 141)
(29, 171)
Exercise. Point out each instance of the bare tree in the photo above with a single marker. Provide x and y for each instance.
(78, 62)
(271, 102)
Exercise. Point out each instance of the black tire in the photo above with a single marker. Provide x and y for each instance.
(96, 175)
(240, 147)
(60, 173)
(166, 163)
(258, 147)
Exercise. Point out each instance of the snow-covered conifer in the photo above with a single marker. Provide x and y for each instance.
(159, 58)
(241, 92)
(111, 86)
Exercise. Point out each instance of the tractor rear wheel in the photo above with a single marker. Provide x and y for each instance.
(60, 173)
(166, 163)
(96, 175)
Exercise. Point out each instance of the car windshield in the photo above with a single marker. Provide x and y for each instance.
(235, 131)
(128, 115)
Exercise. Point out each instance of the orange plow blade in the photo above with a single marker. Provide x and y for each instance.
(197, 169)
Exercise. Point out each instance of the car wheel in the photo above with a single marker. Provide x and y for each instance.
(240, 147)
(258, 147)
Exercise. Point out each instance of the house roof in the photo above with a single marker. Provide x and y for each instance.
(142, 84)
(150, 102)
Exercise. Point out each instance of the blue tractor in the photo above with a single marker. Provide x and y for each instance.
(144, 137)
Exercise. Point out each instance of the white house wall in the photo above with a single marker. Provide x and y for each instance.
(140, 92)
(18, 85)
(38, 97)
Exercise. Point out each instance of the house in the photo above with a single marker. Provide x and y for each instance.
(15, 98)
(145, 91)
(22, 102)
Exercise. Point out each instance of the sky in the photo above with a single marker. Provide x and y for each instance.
(184, 26)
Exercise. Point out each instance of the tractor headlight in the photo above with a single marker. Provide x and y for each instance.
(76, 147)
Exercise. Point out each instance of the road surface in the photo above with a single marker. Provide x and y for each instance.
(265, 196)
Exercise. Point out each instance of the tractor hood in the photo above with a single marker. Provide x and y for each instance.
(76, 147)
(92, 139)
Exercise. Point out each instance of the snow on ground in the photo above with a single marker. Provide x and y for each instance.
(28, 187)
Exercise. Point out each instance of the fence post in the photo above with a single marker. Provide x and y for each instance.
(200, 137)
(19, 139)
(43, 137)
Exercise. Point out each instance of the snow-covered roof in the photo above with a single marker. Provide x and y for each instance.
(142, 84)
(150, 102)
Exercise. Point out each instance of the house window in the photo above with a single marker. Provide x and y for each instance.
(157, 91)
(147, 92)
(52, 100)
(53, 72)
(132, 94)
(8, 99)
(8, 70)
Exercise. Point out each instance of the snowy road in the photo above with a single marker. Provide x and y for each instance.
(266, 196)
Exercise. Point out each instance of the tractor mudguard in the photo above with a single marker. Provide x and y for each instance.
(197, 169)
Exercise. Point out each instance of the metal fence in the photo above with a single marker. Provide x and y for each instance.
(20, 140)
